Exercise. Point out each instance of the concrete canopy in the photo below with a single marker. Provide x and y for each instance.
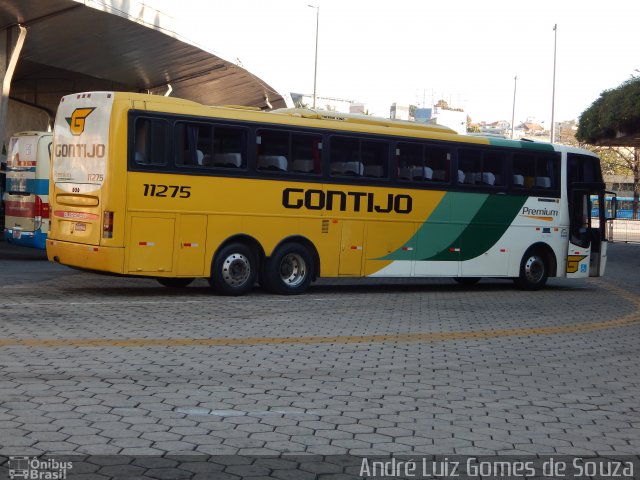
(73, 46)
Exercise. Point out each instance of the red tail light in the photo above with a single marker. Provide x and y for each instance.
(107, 225)
(37, 212)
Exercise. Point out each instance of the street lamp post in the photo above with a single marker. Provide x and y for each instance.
(513, 112)
(553, 91)
(315, 70)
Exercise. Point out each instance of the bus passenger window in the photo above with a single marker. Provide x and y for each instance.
(535, 171)
(482, 167)
(422, 163)
(438, 161)
(547, 171)
(273, 150)
(142, 139)
(306, 153)
(409, 160)
(493, 167)
(374, 157)
(229, 148)
(523, 171)
(345, 156)
(193, 143)
(470, 165)
(151, 142)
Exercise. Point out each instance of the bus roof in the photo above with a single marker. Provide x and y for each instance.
(361, 119)
(341, 121)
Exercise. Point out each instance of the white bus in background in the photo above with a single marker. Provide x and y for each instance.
(26, 199)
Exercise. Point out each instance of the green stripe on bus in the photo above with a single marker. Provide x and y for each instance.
(489, 225)
(537, 146)
(447, 222)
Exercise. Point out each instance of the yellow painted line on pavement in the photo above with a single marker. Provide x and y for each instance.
(627, 320)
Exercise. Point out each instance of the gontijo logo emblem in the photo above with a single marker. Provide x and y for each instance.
(78, 118)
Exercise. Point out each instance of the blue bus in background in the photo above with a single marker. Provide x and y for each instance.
(26, 196)
(624, 207)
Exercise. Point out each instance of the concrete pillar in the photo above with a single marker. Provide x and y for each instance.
(11, 42)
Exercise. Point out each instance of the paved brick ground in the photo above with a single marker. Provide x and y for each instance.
(520, 386)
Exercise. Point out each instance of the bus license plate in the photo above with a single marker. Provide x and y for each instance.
(81, 227)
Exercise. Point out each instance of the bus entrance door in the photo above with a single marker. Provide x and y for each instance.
(587, 255)
(598, 232)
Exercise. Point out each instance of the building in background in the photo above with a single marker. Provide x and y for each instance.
(454, 119)
(401, 112)
(440, 114)
(423, 115)
(501, 128)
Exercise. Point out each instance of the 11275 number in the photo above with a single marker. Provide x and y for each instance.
(153, 190)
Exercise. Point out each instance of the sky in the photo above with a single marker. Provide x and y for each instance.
(466, 52)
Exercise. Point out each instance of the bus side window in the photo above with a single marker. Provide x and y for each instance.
(306, 153)
(193, 143)
(229, 147)
(273, 150)
(523, 171)
(151, 141)
(470, 165)
(547, 171)
(375, 158)
(493, 167)
(437, 163)
(142, 134)
(409, 160)
(344, 156)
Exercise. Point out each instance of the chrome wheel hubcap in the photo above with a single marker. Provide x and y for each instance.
(293, 270)
(534, 269)
(236, 269)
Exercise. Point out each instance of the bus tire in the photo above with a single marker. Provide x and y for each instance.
(467, 281)
(174, 282)
(234, 270)
(289, 270)
(534, 270)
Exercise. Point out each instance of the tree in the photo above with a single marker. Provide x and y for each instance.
(613, 120)
(616, 113)
(625, 161)
(412, 111)
(472, 127)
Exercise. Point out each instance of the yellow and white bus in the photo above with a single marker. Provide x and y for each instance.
(167, 188)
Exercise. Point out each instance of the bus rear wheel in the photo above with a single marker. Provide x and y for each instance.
(234, 270)
(174, 282)
(534, 270)
(289, 270)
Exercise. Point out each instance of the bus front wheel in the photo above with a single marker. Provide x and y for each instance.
(174, 282)
(534, 271)
(289, 270)
(234, 270)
